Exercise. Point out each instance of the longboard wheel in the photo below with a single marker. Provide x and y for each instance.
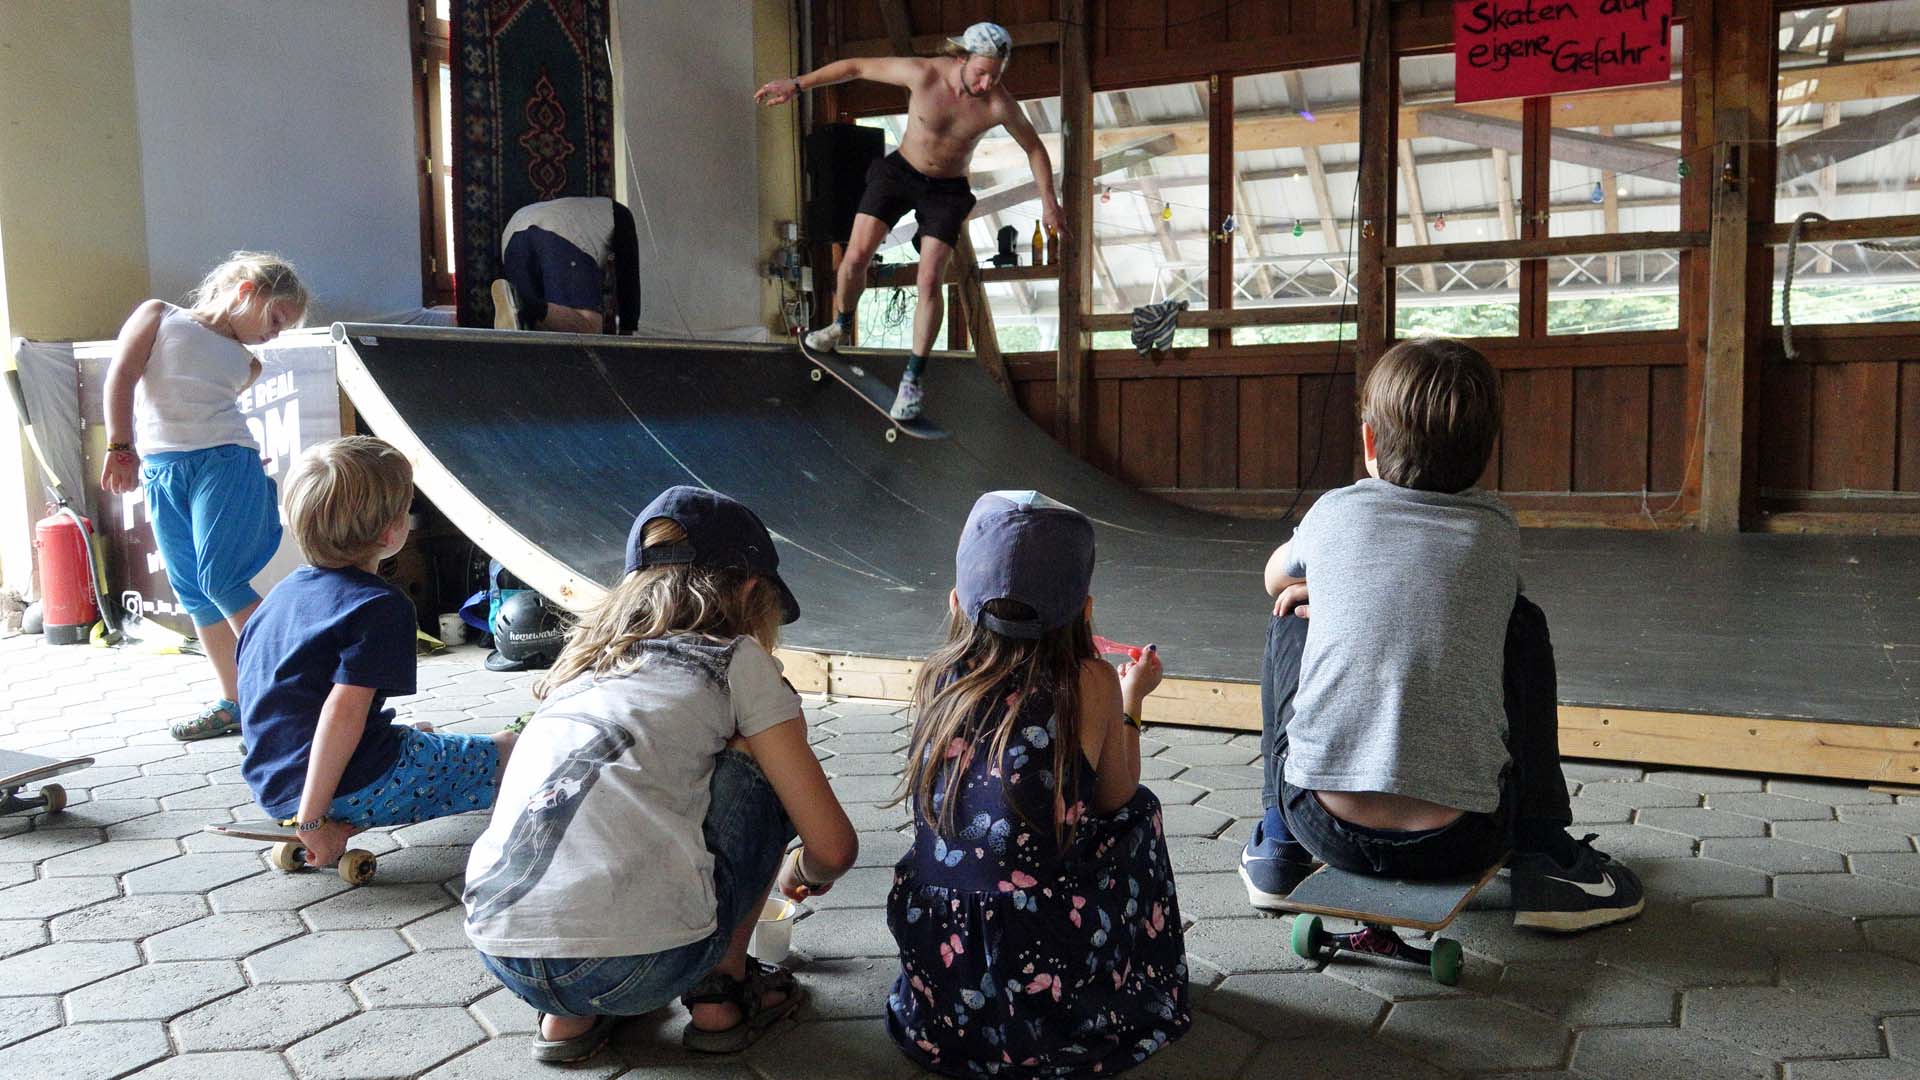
(1307, 937)
(357, 867)
(289, 856)
(56, 797)
(1444, 961)
(893, 434)
(815, 375)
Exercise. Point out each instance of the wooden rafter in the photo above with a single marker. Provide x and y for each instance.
(1847, 139)
(1610, 211)
(1416, 210)
(1149, 185)
(1573, 147)
(1503, 190)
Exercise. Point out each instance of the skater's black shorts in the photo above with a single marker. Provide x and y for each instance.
(941, 204)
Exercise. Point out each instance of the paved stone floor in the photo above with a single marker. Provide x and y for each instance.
(1782, 936)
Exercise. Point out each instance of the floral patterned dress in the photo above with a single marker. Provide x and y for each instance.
(1027, 955)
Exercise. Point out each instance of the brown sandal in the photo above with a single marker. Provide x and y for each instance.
(746, 995)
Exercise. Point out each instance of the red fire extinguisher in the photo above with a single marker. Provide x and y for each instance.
(66, 576)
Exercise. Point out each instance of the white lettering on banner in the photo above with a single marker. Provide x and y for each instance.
(132, 505)
(277, 430)
(155, 563)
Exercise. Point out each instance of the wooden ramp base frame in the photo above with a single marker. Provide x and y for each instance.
(1695, 740)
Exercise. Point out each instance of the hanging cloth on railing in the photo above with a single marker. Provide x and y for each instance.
(1154, 324)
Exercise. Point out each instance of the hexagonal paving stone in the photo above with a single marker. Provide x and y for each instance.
(864, 723)
(1667, 948)
(847, 987)
(1830, 792)
(829, 1050)
(329, 956)
(155, 992)
(1299, 1005)
(376, 905)
(213, 796)
(101, 814)
(1237, 802)
(1778, 923)
(86, 1051)
(1774, 856)
(1776, 1022)
(1586, 995)
(866, 765)
(503, 1014)
(1899, 817)
(167, 824)
(19, 935)
(1899, 868)
(230, 1065)
(1850, 1069)
(1595, 811)
(1704, 782)
(128, 918)
(422, 864)
(869, 742)
(1211, 1048)
(1177, 792)
(1638, 795)
(25, 1017)
(1662, 1054)
(1698, 879)
(1504, 1037)
(1876, 983)
(441, 930)
(264, 1017)
(438, 977)
(506, 1059)
(1221, 778)
(47, 843)
(1845, 837)
(1160, 769)
(1699, 822)
(865, 789)
(455, 831)
(1212, 895)
(882, 848)
(152, 787)
(844, 933)
(1633, 843)
(1374, 1059)
(106, 860)
(192, 873)
(1212, 754)
(396, 1042)
(1177, 821)
(1846, 894)
(862, 888)
(1245, 945)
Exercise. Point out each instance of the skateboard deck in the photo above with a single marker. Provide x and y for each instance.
(869, 388)
(1414, 905)
(357, 866)
(17, 770)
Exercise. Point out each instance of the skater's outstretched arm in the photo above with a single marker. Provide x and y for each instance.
(892, 70)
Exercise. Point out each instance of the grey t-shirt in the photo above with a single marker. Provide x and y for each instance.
(1400, 685)
(596, 845)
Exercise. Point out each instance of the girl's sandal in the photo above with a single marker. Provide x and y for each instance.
(219, 718)
(746, 995)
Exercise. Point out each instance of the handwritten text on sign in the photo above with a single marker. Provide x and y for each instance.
(1525, 48)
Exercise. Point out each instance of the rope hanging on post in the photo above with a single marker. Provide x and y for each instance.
(1893, 247)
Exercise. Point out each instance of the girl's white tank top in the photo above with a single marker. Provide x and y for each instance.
(188, 398)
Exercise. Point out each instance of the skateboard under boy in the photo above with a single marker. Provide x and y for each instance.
(357, 866)
(1379, 905)
(17, 770)
(867, 387)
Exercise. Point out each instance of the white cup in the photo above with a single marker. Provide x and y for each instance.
(453, 629)
(773, 934)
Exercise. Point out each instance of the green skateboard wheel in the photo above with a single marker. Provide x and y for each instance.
(1445, 961)
(1307, 937)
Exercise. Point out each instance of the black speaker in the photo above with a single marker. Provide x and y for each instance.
(838, 156)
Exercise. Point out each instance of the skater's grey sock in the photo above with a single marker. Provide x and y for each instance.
(915, 365)
(845, 319)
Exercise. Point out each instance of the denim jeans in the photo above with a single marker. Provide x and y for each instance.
(747, 830)
(1534, 793)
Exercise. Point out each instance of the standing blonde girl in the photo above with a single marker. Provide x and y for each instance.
(1038, 929)
(648, 805)
(174, 427)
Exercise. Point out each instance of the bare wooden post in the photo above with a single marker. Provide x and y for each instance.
(1072, 385)
(1725, 389)
(1378, 82)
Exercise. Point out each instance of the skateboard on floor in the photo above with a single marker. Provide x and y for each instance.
(1380, 905)
(357, 866)
(17, 770)
(868, 388)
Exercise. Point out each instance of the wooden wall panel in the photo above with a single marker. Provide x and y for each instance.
(1126, 28)
(1855, 424)
(1268, 431)
(1195, 24)
(1328, 430)
(1209, 433)
(1786, 425)
(1609, 429)
(1668, 429)
(1037, 401)
(1907, 473)
(1103, 427)
(1536, 448)
(1150, 432)
(1254, 19)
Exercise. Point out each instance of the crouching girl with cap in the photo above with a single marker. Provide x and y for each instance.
(1035, 913)
(648, 807)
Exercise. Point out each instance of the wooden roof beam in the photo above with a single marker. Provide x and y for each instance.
(1416, 210)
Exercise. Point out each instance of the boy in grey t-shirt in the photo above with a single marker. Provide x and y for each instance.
(1413, 731)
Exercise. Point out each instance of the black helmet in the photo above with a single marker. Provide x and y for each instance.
(527, 634)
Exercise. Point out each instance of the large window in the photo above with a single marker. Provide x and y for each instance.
(1150, 211)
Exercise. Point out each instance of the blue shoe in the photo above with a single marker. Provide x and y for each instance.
(1594, 891)
(1271, 868)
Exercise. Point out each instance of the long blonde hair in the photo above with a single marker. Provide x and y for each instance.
(953, 699)
(272, 277)
(662, 601)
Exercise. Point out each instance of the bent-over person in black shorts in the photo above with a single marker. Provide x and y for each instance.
(953, 101)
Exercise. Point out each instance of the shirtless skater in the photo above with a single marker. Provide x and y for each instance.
(954, 100)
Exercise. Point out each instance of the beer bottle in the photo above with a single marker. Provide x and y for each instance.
(1039, 245)
(1053, 246)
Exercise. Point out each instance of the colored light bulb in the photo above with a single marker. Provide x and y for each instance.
(1166, 213)
(1599, 194)
(1299, 229)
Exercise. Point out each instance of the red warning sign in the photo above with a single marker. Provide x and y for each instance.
(1526, 48)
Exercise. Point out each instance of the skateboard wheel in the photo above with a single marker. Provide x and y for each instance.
(56, 797)
(288, 856)
(1307, 937)
(357, 867)
(1445, 961)
(892, 434)
(815, 375)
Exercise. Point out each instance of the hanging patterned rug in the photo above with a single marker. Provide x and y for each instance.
(532, 120)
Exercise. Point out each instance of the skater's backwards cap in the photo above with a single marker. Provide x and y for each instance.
(1023, 546)
(721, 533)
(987, 39)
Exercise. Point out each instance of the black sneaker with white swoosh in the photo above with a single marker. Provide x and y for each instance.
(1594, 891)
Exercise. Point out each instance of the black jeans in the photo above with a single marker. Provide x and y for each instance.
(1534, 793)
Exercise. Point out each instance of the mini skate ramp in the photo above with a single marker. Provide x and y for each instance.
(1774, 653)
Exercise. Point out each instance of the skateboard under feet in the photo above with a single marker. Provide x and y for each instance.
(1382, 907)
(869, 388)
(288, 854)
(17, 770)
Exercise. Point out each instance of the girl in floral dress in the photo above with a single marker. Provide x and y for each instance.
(1038, 928)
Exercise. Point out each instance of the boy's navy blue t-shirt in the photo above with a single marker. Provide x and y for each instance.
(319, 627)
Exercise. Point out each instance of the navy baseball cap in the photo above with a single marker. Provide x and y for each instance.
(721, 533)
(1021, 545)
